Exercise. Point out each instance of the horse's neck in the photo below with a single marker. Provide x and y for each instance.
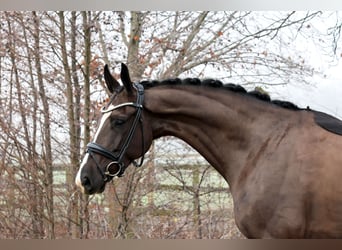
(218, 124)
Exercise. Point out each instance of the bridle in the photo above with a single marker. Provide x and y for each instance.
(94, 148)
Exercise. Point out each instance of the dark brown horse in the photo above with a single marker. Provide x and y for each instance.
(284, 171)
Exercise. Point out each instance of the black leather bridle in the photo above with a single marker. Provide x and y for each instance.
(94, 148)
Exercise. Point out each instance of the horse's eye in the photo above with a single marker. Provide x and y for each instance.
(118, 122)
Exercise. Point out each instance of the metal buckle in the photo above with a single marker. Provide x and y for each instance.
(110, 164)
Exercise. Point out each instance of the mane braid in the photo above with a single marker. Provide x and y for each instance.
(212, 83)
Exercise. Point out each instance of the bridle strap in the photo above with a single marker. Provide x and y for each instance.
(98, 149)
(93, 147)
(142, 146)
(138, 106)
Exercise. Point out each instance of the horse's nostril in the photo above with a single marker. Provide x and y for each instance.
(85, 181)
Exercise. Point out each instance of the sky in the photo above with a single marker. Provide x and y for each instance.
(324, 94)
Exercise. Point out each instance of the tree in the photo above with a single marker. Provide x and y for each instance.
(34, 169)
(238, 45)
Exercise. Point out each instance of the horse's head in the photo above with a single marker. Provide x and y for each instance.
(123, 135)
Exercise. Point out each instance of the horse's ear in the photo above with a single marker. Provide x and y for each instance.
(125, 78)
(111, 83)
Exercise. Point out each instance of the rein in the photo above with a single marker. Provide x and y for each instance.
(116, 158)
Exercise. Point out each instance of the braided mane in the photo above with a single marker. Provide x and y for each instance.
(212, 83)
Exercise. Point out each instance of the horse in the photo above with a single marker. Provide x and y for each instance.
(282, 167)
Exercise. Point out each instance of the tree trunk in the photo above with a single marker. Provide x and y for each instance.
(73, 140)
(47, 134)
(196, 203)
(37, 195)
(133, 60)
(87, 58)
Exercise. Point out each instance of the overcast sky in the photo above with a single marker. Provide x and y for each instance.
(325, 91)
(324, 94)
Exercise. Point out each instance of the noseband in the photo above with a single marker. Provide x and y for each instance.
(117, 158)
